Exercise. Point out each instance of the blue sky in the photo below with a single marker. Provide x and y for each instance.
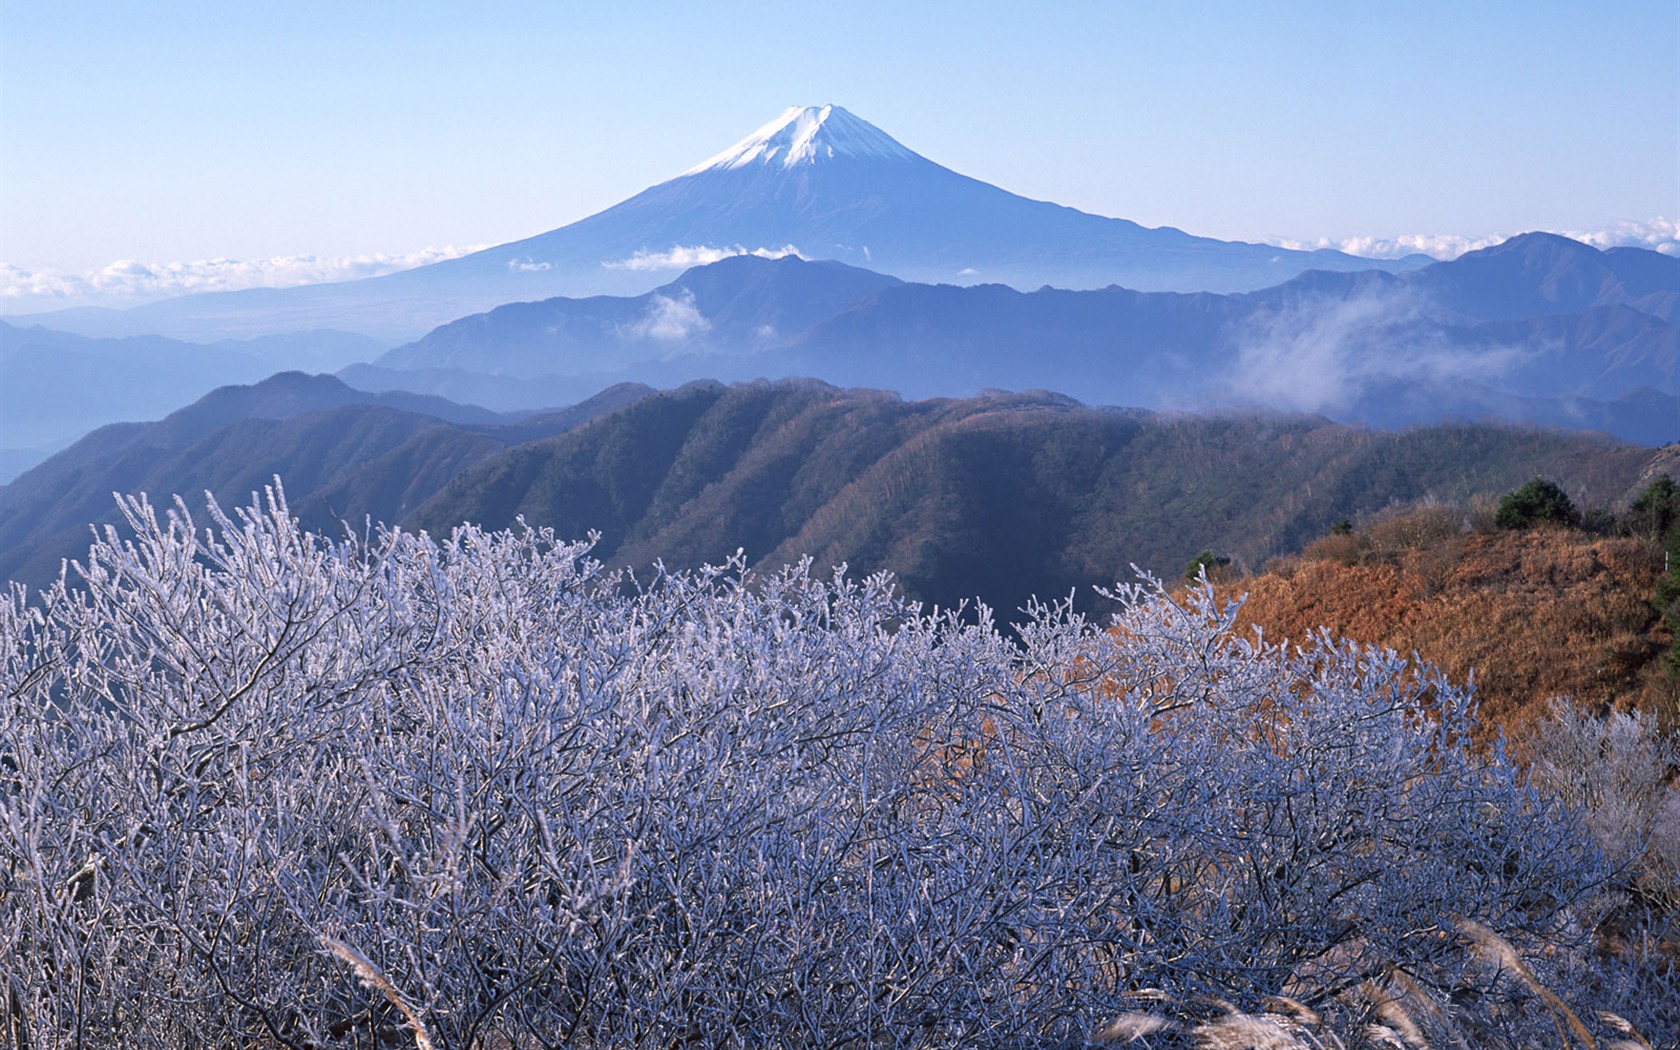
(186, 130)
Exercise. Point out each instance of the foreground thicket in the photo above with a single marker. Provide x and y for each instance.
(260, 788)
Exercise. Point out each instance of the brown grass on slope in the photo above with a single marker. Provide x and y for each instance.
(1534, 614)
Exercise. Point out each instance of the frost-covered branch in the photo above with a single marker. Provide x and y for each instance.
(546, 805)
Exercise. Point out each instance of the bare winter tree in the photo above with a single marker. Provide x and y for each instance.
(261, 788)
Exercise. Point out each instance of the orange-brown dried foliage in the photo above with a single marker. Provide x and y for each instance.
(1534, 615)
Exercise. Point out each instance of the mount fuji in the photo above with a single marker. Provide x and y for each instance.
(818, 182)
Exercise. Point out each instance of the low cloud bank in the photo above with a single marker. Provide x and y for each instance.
(681, 257)
(669, 319)
(129, 282)
(1658, 235)
(1324, 356)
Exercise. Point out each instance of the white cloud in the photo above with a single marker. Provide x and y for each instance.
(681, 258)
(128, 282)
(1321, 356)
(1440, 246)
(671, 319)
(1659, 234)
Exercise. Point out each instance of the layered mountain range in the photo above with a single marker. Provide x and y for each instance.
(817, 181)
(1540, 328)
(841, 254)
(1002, 496)
(56, 387)
(888, 301)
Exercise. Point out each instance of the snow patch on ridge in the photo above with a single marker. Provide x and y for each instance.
(801, 136)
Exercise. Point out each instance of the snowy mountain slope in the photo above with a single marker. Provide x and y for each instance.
(832, 186)
(803, 137)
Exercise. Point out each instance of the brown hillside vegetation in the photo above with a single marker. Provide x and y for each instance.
(1532, 615)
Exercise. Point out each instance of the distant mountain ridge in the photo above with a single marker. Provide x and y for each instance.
(314, 430)
(55, 387)
(1540, 328)
(736, 306)
(1002, 496)
(851, 194)
(1544, 273)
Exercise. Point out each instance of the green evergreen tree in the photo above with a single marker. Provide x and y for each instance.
(1657, 509)
(1657, 513)
(1668, 596)
(1537, 502)
(1208, 561)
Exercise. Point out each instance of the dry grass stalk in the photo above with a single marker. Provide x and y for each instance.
(15, 1033)
(1130, 1027)
(1397, 1025)
(375, 979)
(1417, 996)
(1495, 950)
(1240, 1031)
(1622, 1026)
(1294, 1008)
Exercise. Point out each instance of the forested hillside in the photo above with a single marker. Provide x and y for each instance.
(1002, 497)
(999, 497)
(388, 450)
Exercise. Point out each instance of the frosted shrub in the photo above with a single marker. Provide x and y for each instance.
(260, 788)
(1619, 772)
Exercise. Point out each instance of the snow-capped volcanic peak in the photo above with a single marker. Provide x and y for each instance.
(805, 136)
